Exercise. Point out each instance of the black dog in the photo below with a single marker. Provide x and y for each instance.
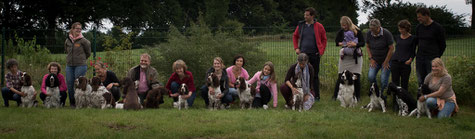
(402, 100)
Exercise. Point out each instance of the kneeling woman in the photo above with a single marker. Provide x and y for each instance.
(288, 89)
(179, 76)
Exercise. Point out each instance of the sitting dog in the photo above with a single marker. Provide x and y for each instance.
(132, 101)
(52, 91)
(377, 99)
(154, 96)
(422, 106)
(96, 98)
(298, 98)
(347, 89)
(404, 101)
(82, 91)
(245, 93)
(213, 82)
(183, 90)
(27, 88)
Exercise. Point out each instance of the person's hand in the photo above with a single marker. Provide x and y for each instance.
(386, 65)
(297, 51)
(351, 44)
(220, 95)
(422, 99)
(408, 62)
(211, 91)
(22, 94)
(340, 44)
(294, 90)
(110, 86)
(174, 95)
(372, 63)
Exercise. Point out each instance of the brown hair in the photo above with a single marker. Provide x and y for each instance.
(73, 26)
(237, 57)
(423, 11)
(100, 64)
(404, 24)
(311, 10)
(273, 78)
(346, 20)
(54, 64)
(11, 62)
(179, 64)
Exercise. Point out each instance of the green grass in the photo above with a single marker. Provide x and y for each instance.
(326, 119)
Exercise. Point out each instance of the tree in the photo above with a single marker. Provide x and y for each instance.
(472, 25)
(255, 13)
(216, 12)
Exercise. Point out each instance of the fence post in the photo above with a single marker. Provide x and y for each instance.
(3, 54)
(94, 49)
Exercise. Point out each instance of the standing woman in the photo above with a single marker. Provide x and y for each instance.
(236, 70)
(266, 85)
(353, 64)
(404, 55)
(54, 68)
(218, 70)
(181, 76)
(108, 79)
(78, 50)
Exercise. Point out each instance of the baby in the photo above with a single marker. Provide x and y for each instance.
(349, 36)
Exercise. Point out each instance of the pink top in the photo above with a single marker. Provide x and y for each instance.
(272, 86)
(62, 83)
(143, 86)
(231, 77)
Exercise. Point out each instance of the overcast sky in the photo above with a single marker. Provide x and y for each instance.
(456, 6)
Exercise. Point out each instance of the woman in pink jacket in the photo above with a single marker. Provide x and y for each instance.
(266, 85)
(55, 68)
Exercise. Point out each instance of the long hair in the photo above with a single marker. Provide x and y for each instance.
(273, 78)
(346, 20)
(440, 63)
(74, 26)
(220, 60)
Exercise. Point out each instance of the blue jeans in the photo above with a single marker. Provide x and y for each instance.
(174, 89)
(423, 67)
(384, 76)
(72, 73)
(8, 94)
(449, 107)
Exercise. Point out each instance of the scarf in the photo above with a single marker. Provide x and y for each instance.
(305, 78)
(75, 38)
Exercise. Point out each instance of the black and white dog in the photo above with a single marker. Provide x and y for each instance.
(404, 100)
(214, 100)
(52, 90)
(29, 99)
(245, 92)
(422, 106)
(347, 89)
(377, 99)
(183, 90)
(298, 98)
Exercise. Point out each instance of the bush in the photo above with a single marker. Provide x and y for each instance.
(462, 70)
(197, 46)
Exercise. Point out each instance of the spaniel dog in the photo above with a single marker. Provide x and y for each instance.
(52, 91)
(347, 89)
(132, 100)
(154, 96)
(213, 82)
(377, 99)
(82, 91)
(245, 92)
(404, 101)
(422, 106)
(27, 88)
(298, 98)
(183, 90)
(96, 98)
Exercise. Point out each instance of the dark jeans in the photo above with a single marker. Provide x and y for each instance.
(357, 86)
(423, 67)
(264, 99)
(8, 94)
(174, 89)
(286, 93)
(228, 98)
(115, 90)
(400, 73)
(314, 60)
(62, 97)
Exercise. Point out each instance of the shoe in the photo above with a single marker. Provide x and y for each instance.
(175, 104)
(265, 107)
(286, 106)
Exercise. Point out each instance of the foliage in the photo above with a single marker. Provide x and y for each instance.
(119, 45)
(197, 46)
(462, 70)
(36, 55)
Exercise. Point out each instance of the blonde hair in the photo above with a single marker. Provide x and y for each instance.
(147, 56)
(273, 78)
(440, 63)
(100, 64)
(346, 20)
(73, 26)
(220, 60)
(179, 64)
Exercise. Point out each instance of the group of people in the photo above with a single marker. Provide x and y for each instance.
(309, 41)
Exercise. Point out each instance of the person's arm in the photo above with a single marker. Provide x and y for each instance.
(412, 52)
(295, 39)
(323, 39)
(114, 79)
(43, 85)
(87, 48)
(255, 77)
(441, 41)
(153, 81)
(388, 56)
(230, 73)
(361, 40)
(9, 84)
(370, 55)
(245, 74)
(62, 82)
(339, 38)
(274, 93)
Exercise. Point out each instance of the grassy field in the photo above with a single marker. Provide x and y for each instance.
(326, 119)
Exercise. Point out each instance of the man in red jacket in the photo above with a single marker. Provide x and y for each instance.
(310, 38)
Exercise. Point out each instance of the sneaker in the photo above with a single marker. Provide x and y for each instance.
(175, 104)
(286, 106)
(265, 107)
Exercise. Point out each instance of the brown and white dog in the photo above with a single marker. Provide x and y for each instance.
(214, 100)
(27, 88)
(96, 98)
(132, 101)
(83, 89)
(298, 98)
(245, 92)
(154, 96)
(183, 90)
(52, 91)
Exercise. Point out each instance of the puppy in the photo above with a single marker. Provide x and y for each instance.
(377, 99)
(27, 88)
(52, 91)
(422, 106)
(154, 96)
(347, 89)
(183, 90)
(213, 82)
(82, 91)
(404, 101)
(132, 101)
(245, 93)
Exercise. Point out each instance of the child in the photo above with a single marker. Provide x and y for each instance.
(349, 36)
(266, 85)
